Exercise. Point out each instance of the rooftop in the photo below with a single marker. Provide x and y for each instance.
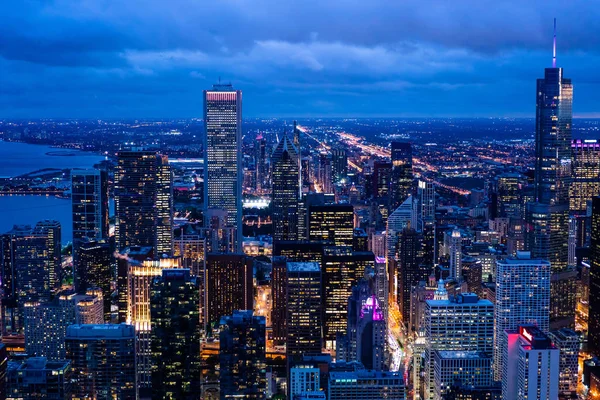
(303, 267)
(448, 354)
(100, 331)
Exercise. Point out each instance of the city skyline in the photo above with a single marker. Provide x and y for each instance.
(428, 61)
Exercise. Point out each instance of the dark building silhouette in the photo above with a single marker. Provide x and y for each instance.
(332, 223)
(286, 189)
(229, 285)
(594, 311)
(410, 268)
(175, 315)
(242, 356)
(94, 270)
(402, 173)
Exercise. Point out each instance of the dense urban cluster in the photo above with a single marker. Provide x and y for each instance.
(300, 261)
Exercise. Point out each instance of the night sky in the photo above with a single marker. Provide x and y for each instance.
(370, 58)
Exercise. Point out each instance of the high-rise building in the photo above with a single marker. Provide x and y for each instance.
(594, 297)
(131, 255)
(12, 319)
(509, 195)
(333, 223)
(365, 339)
(426, 201)
(554, 115)
(242, 356)
(404, 216)
(286, 190)
(366, 385)
(522, 297)
(89, 307)
(89, 200)
(144, 201)
(304, 310)
(94, 270)
(382, 176)
(472, 275)
(567, 341)
(260, 161)
(46, 326)
(454, 240)
(410, 269)
(102, 357)
(3, 368)
(228, 285)
(175, 315)
(457, 323)
(467, 368)
(548, 217)
(341, 269)
(223, 154)
(190, 244)
(586, 174)
(339, 164)
(139, 280)
(530, 364)
(39, 378)
(402, 173)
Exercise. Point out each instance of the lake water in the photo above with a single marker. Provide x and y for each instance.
(21, 158)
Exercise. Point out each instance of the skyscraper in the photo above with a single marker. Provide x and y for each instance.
(339, 164)
(342, 269)
(242, 356)
(410, 269)
(260, 157)
(463, 323)
(586, 174)
(567, 342)
(402, 173)
(333, 223)
(286, 189)
(223, 154)
(94, 269)
(304, 309)
(594, 311)
(522, 297)
(144, 201)
(530, 364)
(548, 218)
(89, 199)
(103, 361)
(228, 285)
(175, 315)
(39, 378)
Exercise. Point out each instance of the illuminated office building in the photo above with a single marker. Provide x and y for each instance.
(286, 190)
(279, 299)
(46, 326)
(339, 164)
(456, 323)
(131, 255)
(468, 368)
(402, 173)
(89, 202)
(410, 269)
(89, 307)
(139, 280)
(144, 201)
(223, 155)
(175, 315)
(190, 244)
(454, 241)
(12, 319)
(94, 270)
(229, 285)
(509, 195)
(382, 176)
(242, 356)
(260, 162)
(102, 357)
(568, 343)
(366, 385)
(332, 223)
(341, 269)
(530, 364)
(39, 378)
(594, 297)
(304, 312)
(586, 174)
(522, 297)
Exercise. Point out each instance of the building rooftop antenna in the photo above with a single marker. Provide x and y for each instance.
(554, 47)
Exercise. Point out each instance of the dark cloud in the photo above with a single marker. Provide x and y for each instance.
(143, 58)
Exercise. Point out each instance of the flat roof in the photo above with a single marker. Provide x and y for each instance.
(303, 266)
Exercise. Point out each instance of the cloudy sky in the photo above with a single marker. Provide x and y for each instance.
(153, 58)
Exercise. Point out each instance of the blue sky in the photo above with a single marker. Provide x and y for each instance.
(153, 58)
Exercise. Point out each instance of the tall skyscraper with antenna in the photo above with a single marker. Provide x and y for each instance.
(223, 154)
(548, 217)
